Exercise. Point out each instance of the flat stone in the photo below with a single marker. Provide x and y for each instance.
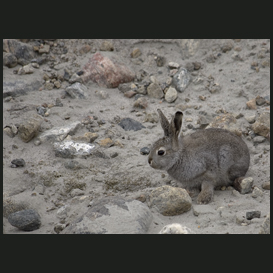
(170, 201)
(112, 215)
(129, 124)
(59, 133)
(253, 214)
(26, 220)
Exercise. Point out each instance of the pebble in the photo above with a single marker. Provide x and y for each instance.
(58, 102)
(130, 93)
(62, 211)
(197, 65)
(252, 104)
(253, 214)
(244, 185)
(26, 220)
(160, 61)
(154, 90)
(257, 192)
(251, 119)
(171, 95)
(44, 48)
(144, 151)
(113, 154)
(266, 186)
(173, 65)
(258, 139)
(135, 53)
(260, 100)
(27, 69)
(41, 110)
(262, 125)
(141, 103)
(20, 162)
(76, 91)
(107, 142)
(106, 46)
(175, 228)
(9, 60)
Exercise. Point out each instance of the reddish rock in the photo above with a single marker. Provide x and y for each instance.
(106, 72)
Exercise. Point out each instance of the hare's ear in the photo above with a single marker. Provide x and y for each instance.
(164, 123)
(176, 124)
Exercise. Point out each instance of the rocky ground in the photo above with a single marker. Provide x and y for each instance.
(79, 117)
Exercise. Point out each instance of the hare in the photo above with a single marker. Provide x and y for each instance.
(204, 160)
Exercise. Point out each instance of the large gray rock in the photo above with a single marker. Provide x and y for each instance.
(26, 220)
(170, 200)
(112, 215)
(181, 79)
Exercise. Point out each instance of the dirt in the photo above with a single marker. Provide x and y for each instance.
(46, 184)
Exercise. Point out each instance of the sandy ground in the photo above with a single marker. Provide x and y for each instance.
(239, 84)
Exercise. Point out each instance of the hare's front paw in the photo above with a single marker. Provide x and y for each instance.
(204, 197)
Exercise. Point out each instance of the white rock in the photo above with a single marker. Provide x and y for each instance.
(173, 65)
(175, 228)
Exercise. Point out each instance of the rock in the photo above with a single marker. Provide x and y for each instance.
(27, 69)
(151, 117)
(243, 185)
(85, 49)
(252, 104)
(18, 49)
(129, 124)
(251, 119)
(69, 149)
(266, 186)
(26, 220)
(135, 53)
(141, 103)
(144, 151)
(181, 79)
(20, 162)
(59, 133)
(62, 211)
(130, 93)
(142, 90)
(107, 72)
(75, 78)
(44, 48)
(106, 46)
(76, 192)
(173, 65)
(124, 87)
(170, 201)
(262, 125)
(107, 142)
(11, 130)
(112, 215)
(260, 100)
(154, 90)
(73, 165)
(175, 228)
(226, 121)
(258, 139)
(59, 227)
(211, 58)
(197, 65)
(227, 46)
(171, 95)
(189, 67)
(49, 85)
(57, 84)
(76, 91)
(265, 228)
(257, 192)
(236, 57)
(30, 128)
(9, 60)
(160, 61)
(253, 214)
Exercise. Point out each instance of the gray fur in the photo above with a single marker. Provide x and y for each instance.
(203, 160)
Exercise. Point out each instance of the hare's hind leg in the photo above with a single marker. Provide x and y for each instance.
(206, 194)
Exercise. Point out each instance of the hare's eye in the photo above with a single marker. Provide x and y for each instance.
(161, 152)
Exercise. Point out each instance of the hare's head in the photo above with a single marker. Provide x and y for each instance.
(164, 152)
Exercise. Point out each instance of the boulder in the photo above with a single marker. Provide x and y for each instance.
(170, 201)
(107, 72)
